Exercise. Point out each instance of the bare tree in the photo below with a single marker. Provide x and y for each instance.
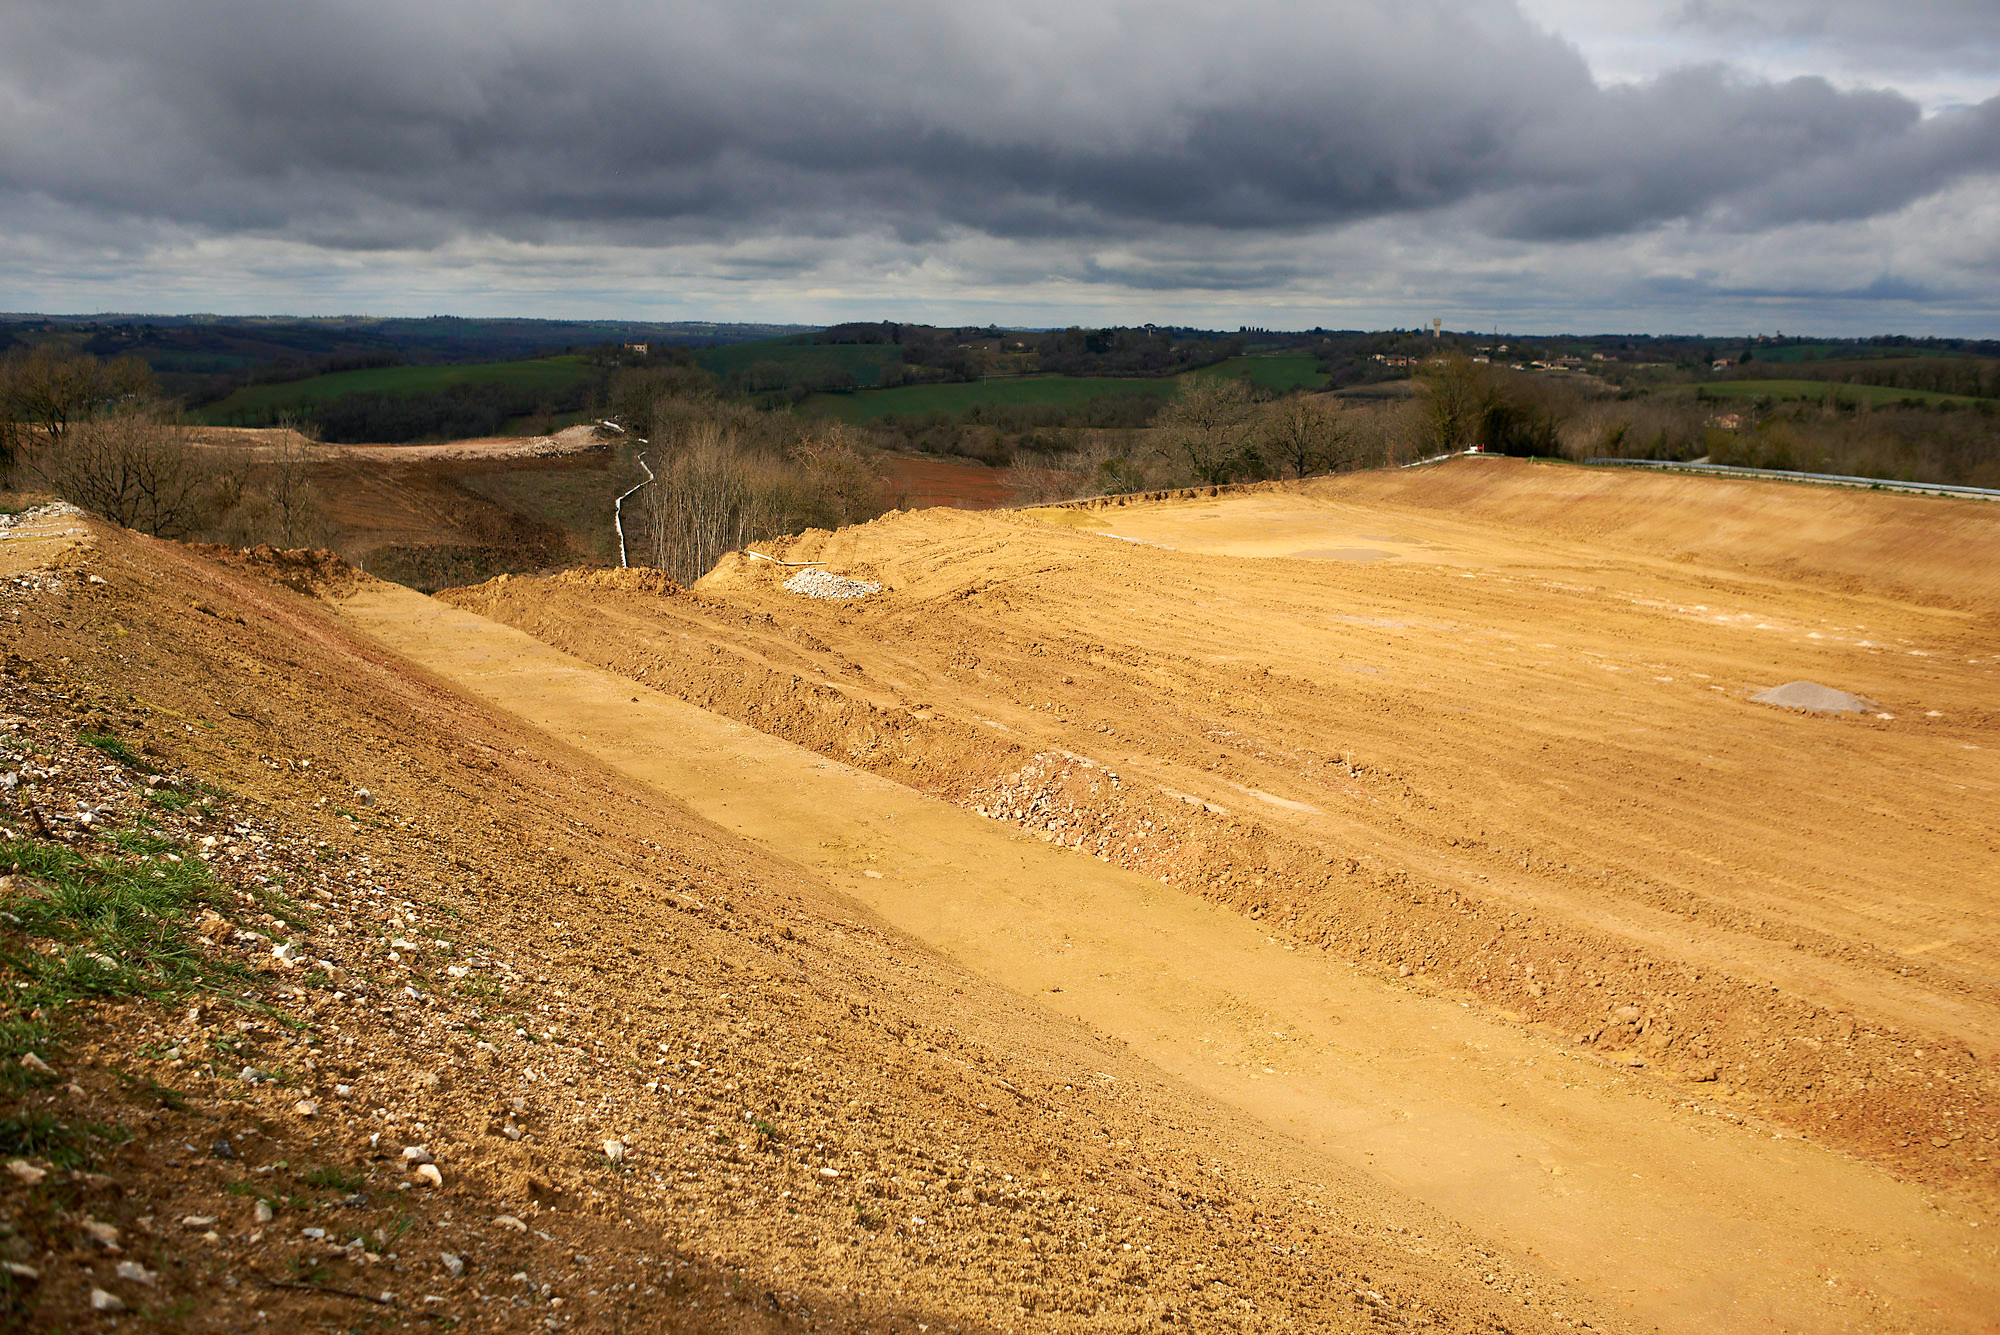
(137, 470)
(295, 502)
(50, 390)
(1306, 434)
(1207, 428)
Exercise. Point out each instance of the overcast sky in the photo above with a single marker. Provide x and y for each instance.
(1649, 165)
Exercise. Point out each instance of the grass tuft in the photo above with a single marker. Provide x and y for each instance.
(79, 927)
(118, 751)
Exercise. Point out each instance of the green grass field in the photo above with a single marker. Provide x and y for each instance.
(955, 400)
(1814, 390)
(554, 374)
(800, 355)
(1278, 371)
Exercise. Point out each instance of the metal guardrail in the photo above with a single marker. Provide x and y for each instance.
(1818, 479)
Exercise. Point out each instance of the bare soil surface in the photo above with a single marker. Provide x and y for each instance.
(664, 1078)
(1513, 762)
(569, 440)
(1670, 1210)
(915, 482)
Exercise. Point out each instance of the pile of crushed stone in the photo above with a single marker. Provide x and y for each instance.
(1815, 699)
(11, 523)
(820, 584)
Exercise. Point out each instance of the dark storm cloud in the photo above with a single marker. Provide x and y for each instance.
(373, 125)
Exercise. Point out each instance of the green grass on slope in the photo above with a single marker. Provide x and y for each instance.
(1280, 372)
(553, 374)
(1814, 390)
(956, 399)
(803, 358)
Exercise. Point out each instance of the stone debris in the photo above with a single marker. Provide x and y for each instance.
(1813, 698)
(101, 1301)
(454, 1265)
(29, 1175)
(137, 1274)
(822, 584)
(429, 1173)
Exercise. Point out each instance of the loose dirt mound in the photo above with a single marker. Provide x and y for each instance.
(1814, 698)
(315, 572)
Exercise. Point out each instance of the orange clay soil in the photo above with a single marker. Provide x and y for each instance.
(670, 1079)
(1482, 732)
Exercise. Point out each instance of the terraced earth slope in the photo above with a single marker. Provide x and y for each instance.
(1483, 733)
(354, 1002)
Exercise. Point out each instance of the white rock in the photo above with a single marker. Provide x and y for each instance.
(34, 1063)
(137, 1273)
(197, 1220)
(30, 1175)
(429, 1173)
(509, 1221)
(614, 1150)
(454, 1266)
(104, 1235)
(829, 1172)
(20, 1270)
(305, 1108)
(417, 1154)
(263, 1214)
(100, 1301)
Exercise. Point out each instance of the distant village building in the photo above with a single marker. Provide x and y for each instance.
(639, 348)
(1722, 365)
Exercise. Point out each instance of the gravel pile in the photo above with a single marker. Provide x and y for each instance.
(1815, 699)
(819, 584)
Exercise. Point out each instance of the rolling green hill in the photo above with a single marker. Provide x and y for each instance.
(1279, 371)
(1813, 390)
(957, 398)
(553, 375)
(798, 358)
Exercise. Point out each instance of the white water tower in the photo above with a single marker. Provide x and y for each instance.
(1436, 326)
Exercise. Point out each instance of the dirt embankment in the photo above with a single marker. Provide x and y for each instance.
(1513, 761)
(666, 1081)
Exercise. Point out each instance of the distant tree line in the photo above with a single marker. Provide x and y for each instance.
(1978, 377)
(1149, 351)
